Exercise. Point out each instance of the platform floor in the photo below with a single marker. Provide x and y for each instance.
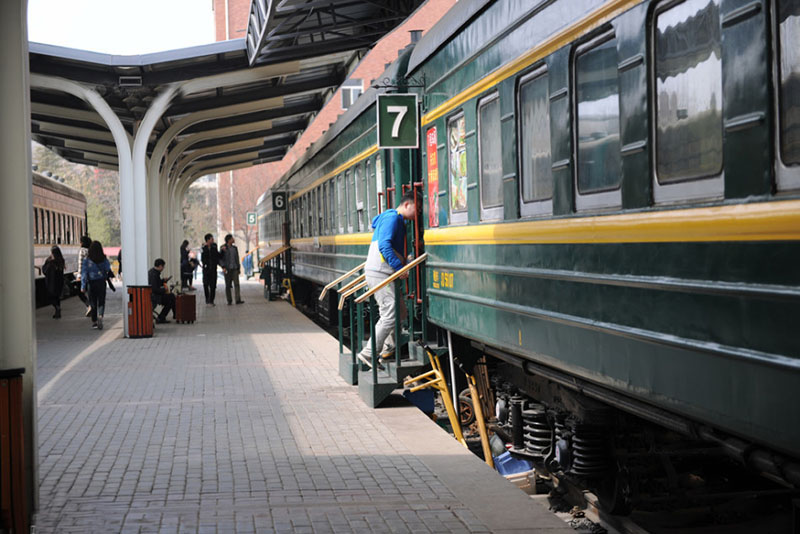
(240, 423)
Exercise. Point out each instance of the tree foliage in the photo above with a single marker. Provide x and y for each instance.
(199, 213)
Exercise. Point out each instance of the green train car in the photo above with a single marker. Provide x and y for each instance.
(338, 186)
(611, 196)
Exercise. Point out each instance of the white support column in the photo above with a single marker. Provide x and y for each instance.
(17, 325)
(140, 190)
(128, 228)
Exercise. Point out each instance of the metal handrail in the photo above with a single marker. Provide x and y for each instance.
(352, 282)
(345, 276)
(344, 296)
(272, 255)
(397, 274)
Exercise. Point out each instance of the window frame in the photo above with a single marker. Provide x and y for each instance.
(489, 213)
(787, 177)
(542, 207)
(358, 192)
(341, 203)
(462, 216)
(608, 198)
(380, 183)
(707, 187)
(348, 200)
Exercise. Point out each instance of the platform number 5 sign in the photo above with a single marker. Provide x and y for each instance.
(278, 200)
(398, 121)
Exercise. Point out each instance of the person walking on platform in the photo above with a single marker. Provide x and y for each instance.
(231, 267)
(209, 258)
(53, 271)
(383, 259)
(94, 272)
(185, 268)
(82, 254)
(160, 294)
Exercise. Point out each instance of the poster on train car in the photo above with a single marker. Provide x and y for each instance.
(398, 121)
(457, 163)
(433, 177)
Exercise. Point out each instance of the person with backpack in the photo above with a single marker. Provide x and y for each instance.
(53, 271)
(82, 253)
(94, 272)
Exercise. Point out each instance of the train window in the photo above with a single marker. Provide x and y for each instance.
(536, 171)
(369, 176)
(348, 200)
(597, 130)
(323, 209)
(35, 226)
(358, 182)
(457, 168)
(320, 211)
(490, 160)
(788, 35)
(341, 203)
(309, 215)
(380, 184)
(687, 99)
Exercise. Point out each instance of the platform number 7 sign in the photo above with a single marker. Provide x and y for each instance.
(398, 121)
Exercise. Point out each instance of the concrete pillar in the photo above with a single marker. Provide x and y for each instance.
(17, 324)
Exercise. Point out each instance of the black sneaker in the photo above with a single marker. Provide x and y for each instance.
(239, 302)
(162, 321)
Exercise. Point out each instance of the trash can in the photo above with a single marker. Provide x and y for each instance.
(13, 495)
(140, 311)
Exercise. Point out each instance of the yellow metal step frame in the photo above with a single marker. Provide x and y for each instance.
(435, 379)
(476, 405)
(287, 284)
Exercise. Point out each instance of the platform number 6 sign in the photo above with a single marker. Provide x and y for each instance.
(398, 121)
(278, 200)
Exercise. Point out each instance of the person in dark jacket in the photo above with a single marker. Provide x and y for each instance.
(209, 258)
(185, 268)
(231, 266)
(53, 271)
(160, 294)
(95, 271)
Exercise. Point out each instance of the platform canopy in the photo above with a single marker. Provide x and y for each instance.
(300, 28)
(260, 112)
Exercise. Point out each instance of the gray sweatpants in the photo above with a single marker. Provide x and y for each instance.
(384, 330)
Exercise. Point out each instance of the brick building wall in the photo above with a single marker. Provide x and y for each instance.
(246, 182)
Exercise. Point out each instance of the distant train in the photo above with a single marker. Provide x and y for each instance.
(59, 218)
(611, 194)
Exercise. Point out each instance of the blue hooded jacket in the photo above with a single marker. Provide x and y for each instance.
(388, 237)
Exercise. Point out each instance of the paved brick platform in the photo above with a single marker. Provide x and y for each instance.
(240, 423)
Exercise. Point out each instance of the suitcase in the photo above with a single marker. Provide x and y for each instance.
(185, 311)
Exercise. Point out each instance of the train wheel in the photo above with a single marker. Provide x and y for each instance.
(465, 409)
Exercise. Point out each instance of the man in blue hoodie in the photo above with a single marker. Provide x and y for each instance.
(384, 258)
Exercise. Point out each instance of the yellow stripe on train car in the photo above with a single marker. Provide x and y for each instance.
(761, 221)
